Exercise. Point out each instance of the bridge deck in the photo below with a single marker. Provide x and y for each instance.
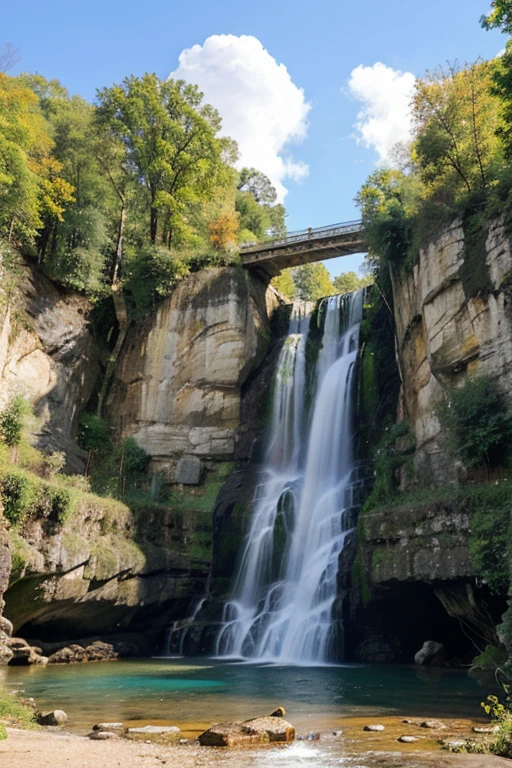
(304, 247)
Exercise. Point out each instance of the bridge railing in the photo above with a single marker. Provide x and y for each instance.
(306, 234)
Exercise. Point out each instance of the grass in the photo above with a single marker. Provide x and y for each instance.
(14, 712)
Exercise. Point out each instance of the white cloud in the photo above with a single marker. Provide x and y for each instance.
(260, 105)
(385, 116)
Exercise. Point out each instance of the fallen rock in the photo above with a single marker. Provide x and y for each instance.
(486, 729)
(56, 717)
(108, 727)
(374, 728)
(408, 739)
(75, 653)
(103, 735)
(431, 654)
(434, 724)
(260, 730)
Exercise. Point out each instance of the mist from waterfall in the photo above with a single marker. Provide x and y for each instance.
(303, 507)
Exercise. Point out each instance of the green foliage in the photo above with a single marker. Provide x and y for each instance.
(387, 459)
(19, 494)
(478, 424)
(11, 420)
(348, 282)
(285, 284)
(14, 712)
(312, 282)
(153, 274)
(130, 457)
(93, 433)
(490, 508)
(490, 659)
(501, 716)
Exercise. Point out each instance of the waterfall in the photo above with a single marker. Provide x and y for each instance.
(303, 507)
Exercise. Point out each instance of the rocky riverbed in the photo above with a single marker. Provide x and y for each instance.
(45, 749)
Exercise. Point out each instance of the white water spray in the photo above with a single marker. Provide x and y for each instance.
(304, 507)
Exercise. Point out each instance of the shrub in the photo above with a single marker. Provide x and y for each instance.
(11, 420)
(19, 495)
(60, 504)
(477, 422)
(131, 458)
(93, 433)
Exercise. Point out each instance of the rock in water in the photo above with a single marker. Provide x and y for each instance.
(108, 727)
(103, 735)
(408, 739)
(373, 728)
(56, 717)
(431, 655)
(261, 730)
(433, 724)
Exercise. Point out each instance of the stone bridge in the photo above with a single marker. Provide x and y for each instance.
(308, 245)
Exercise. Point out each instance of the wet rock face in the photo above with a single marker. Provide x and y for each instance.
(178, 384)
(51, 359)
(444, 332)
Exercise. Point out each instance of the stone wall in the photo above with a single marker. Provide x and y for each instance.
(47, 353)
(444, 333)
(178, 384)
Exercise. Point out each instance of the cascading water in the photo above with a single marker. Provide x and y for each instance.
(304, 507)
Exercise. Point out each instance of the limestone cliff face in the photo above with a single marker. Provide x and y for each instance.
(47, 353)
(106, 570)
(445, 330)
(178, 384)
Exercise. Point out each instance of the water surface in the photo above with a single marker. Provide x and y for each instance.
(193, 693)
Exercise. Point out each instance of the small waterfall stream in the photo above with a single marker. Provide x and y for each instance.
(303, 508)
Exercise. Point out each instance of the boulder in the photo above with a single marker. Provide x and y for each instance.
(431, 655)
(408, 739)
(6, 626)
(75, 653)
(374, 728)
(108, 727)
(188, 470)
(56, 717)
(24, 654)
(279, 712)
(261, 730)
(103, 735)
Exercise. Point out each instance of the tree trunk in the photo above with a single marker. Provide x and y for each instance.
(120, 309)
(153, 225)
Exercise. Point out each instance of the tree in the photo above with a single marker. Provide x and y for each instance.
(348, 282)
(456, 118)
(73, 246)
(30, 180)
(171, 146)
(285, 284)
(260, 216)
(313, 282)
(259, 185)
(501, 18)
(11, 423)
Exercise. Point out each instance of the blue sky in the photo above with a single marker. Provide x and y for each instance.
(89, 45)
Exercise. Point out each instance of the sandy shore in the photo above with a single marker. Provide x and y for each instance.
(53, 749)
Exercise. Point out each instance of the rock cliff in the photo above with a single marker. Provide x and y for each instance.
(47, 353)
(448, 324)
(177, 387)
